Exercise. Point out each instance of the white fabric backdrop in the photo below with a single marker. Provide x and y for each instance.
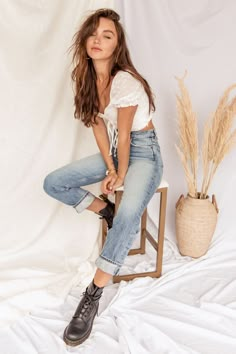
(47, 250)
(38, 135)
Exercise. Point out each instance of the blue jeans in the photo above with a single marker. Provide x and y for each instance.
(141, 181)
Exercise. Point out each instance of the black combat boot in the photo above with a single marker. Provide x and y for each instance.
(81, 324)
(108, 212)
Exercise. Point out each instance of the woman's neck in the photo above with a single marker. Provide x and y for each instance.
(102, 71)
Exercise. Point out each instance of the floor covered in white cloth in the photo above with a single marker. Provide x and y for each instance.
(189, 310)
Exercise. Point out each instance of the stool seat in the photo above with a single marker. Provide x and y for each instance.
(145, 234)
(163, 184)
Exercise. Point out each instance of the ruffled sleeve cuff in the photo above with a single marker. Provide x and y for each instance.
(126, 90)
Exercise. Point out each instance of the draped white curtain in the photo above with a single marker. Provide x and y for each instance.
(42, 241)
(47, 249)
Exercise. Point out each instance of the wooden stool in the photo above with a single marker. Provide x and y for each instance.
(158, 245)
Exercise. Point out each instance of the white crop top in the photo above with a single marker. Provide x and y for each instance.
(126, 91)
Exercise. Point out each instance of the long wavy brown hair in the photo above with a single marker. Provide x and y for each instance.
(84, 76)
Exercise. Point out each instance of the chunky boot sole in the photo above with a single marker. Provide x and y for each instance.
(74, 343)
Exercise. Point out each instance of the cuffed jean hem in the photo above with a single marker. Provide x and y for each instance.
(107, 266)
(84, 203)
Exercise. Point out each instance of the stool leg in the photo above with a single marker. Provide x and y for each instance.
(145, 234)
(118, 195)
(157, 245)
(143, 230)
(161, 230)
(104, 231)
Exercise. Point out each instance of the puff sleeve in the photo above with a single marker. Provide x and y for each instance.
(126, 90)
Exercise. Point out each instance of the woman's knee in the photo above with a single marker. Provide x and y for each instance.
(49, 183)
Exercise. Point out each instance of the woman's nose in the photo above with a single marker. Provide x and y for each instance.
(96, 40)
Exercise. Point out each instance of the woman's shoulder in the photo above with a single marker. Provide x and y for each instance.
(123, 75)
(124, 80)
(126, 89)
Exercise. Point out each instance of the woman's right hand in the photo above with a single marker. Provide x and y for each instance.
(108, 182)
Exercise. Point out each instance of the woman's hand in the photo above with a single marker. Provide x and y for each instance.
(111, 183)
(118, 183)
(108, 182)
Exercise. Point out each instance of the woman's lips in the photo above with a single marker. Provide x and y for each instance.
(96, 49)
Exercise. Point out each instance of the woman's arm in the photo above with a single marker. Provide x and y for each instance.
(101, 136)
(124, 125)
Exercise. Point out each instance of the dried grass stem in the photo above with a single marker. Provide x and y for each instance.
(218, 138)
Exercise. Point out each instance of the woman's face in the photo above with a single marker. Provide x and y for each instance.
(102, 43)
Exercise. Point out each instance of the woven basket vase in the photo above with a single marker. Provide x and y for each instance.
(195, 221)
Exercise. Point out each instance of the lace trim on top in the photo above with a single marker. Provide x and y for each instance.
(113, 137)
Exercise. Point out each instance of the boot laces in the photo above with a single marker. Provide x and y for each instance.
(86, 305)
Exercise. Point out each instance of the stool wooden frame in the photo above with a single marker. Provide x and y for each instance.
(144, 234)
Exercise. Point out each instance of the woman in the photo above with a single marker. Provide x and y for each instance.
(113, 99)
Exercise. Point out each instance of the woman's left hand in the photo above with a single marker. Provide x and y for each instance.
(111, 183)
(107, 182)
(118, 183)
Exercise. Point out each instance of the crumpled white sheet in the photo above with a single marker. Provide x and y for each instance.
(191, 309)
